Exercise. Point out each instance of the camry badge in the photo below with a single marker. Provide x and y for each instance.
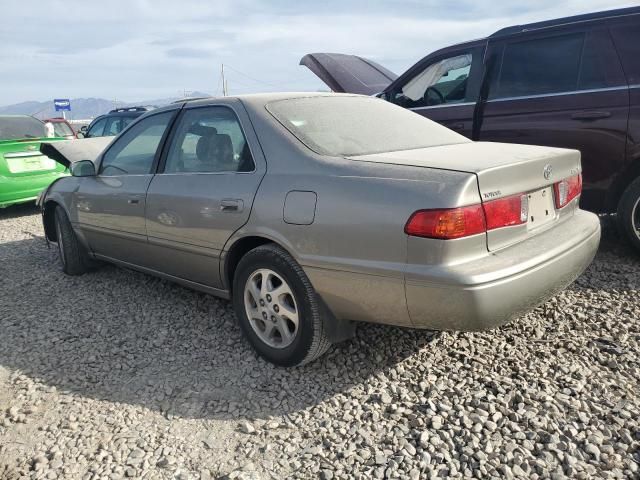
(548, 170)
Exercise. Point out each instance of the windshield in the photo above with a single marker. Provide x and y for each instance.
(350, 125)
(61, 129)
(17, 127)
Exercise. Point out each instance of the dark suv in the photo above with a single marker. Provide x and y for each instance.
(572, 82)
(113, 122)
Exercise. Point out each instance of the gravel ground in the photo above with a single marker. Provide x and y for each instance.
(116, 374)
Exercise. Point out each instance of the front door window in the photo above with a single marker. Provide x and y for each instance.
(442, 82)
(134, 152)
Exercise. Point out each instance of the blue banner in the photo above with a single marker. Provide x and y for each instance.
(62, 104)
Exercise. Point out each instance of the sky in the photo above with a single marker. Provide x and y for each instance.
(145, 49)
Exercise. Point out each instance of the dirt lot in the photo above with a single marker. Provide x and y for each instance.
(116, 374)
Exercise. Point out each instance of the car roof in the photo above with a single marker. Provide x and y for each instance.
(620, 12)
(19, 116)
(515, 29)
(261, 99)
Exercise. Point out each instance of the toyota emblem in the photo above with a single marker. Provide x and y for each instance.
(548, 170)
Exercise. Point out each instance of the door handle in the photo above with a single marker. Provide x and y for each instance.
(591, 115)
(133, 201)
(231, 205)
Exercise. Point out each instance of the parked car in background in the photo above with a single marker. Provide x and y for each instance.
(112, 123)
(24, 171)
(62, 128)
(366, 212)
(572, 82)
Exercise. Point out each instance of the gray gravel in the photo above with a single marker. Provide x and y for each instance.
(119, 375)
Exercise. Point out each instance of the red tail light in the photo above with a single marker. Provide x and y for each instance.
(567, 189)
(507, 211)
(447, 223)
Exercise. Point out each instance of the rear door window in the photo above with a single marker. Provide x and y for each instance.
(207, 140)
(558, 64)
(537, 67)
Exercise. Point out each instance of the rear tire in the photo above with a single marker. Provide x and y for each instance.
(278, 308)
(74, 258)
(629, 214)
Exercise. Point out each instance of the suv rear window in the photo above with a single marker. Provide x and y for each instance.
(350, 125)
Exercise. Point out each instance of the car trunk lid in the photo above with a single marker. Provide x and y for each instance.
(349, 73)
(502, 170)
(23, 157)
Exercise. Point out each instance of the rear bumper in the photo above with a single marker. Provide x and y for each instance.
(491, 291)
(24, 189)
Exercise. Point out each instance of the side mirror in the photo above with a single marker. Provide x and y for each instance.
(83, 168)
(80, 134)
(83, 128)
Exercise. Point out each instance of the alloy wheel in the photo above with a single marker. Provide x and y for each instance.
(635, 218)
(271, 308)
(60, 241)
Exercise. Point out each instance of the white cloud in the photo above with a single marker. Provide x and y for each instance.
(133, 50)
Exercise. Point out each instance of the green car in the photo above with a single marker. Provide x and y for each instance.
(24, 171)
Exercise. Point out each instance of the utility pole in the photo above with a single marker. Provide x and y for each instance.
(224, 83)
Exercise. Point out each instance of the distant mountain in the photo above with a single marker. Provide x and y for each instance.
(82, 108)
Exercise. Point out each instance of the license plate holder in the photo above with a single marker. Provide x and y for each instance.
(541, 208)
(30, 164)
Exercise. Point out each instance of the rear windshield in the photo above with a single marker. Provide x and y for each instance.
(61, 129)
(13, 128)
(345, 126)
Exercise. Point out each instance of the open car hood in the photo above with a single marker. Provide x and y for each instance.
(349, 73)
(67, 152)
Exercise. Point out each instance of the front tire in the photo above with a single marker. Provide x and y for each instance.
(74, 259)
(278, 308)
(629, 214)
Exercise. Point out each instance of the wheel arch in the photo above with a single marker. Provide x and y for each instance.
(237, 250)
(338, 330)
(621, 183)
(48, 219)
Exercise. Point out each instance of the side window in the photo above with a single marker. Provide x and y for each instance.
(600, 66)
(541, 66)
(125, 121)
(133, 153)
(113, 127)
(442, 82)
(627, 40)
(97, 128)
(209, 139)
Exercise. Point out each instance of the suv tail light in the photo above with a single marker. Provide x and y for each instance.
(567, 189)
(450, 223)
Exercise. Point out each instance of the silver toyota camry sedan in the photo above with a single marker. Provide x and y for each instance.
(313, 212)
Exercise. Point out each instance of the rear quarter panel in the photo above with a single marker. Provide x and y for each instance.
(355, 251)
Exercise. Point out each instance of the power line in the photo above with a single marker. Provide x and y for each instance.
(251, 78)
